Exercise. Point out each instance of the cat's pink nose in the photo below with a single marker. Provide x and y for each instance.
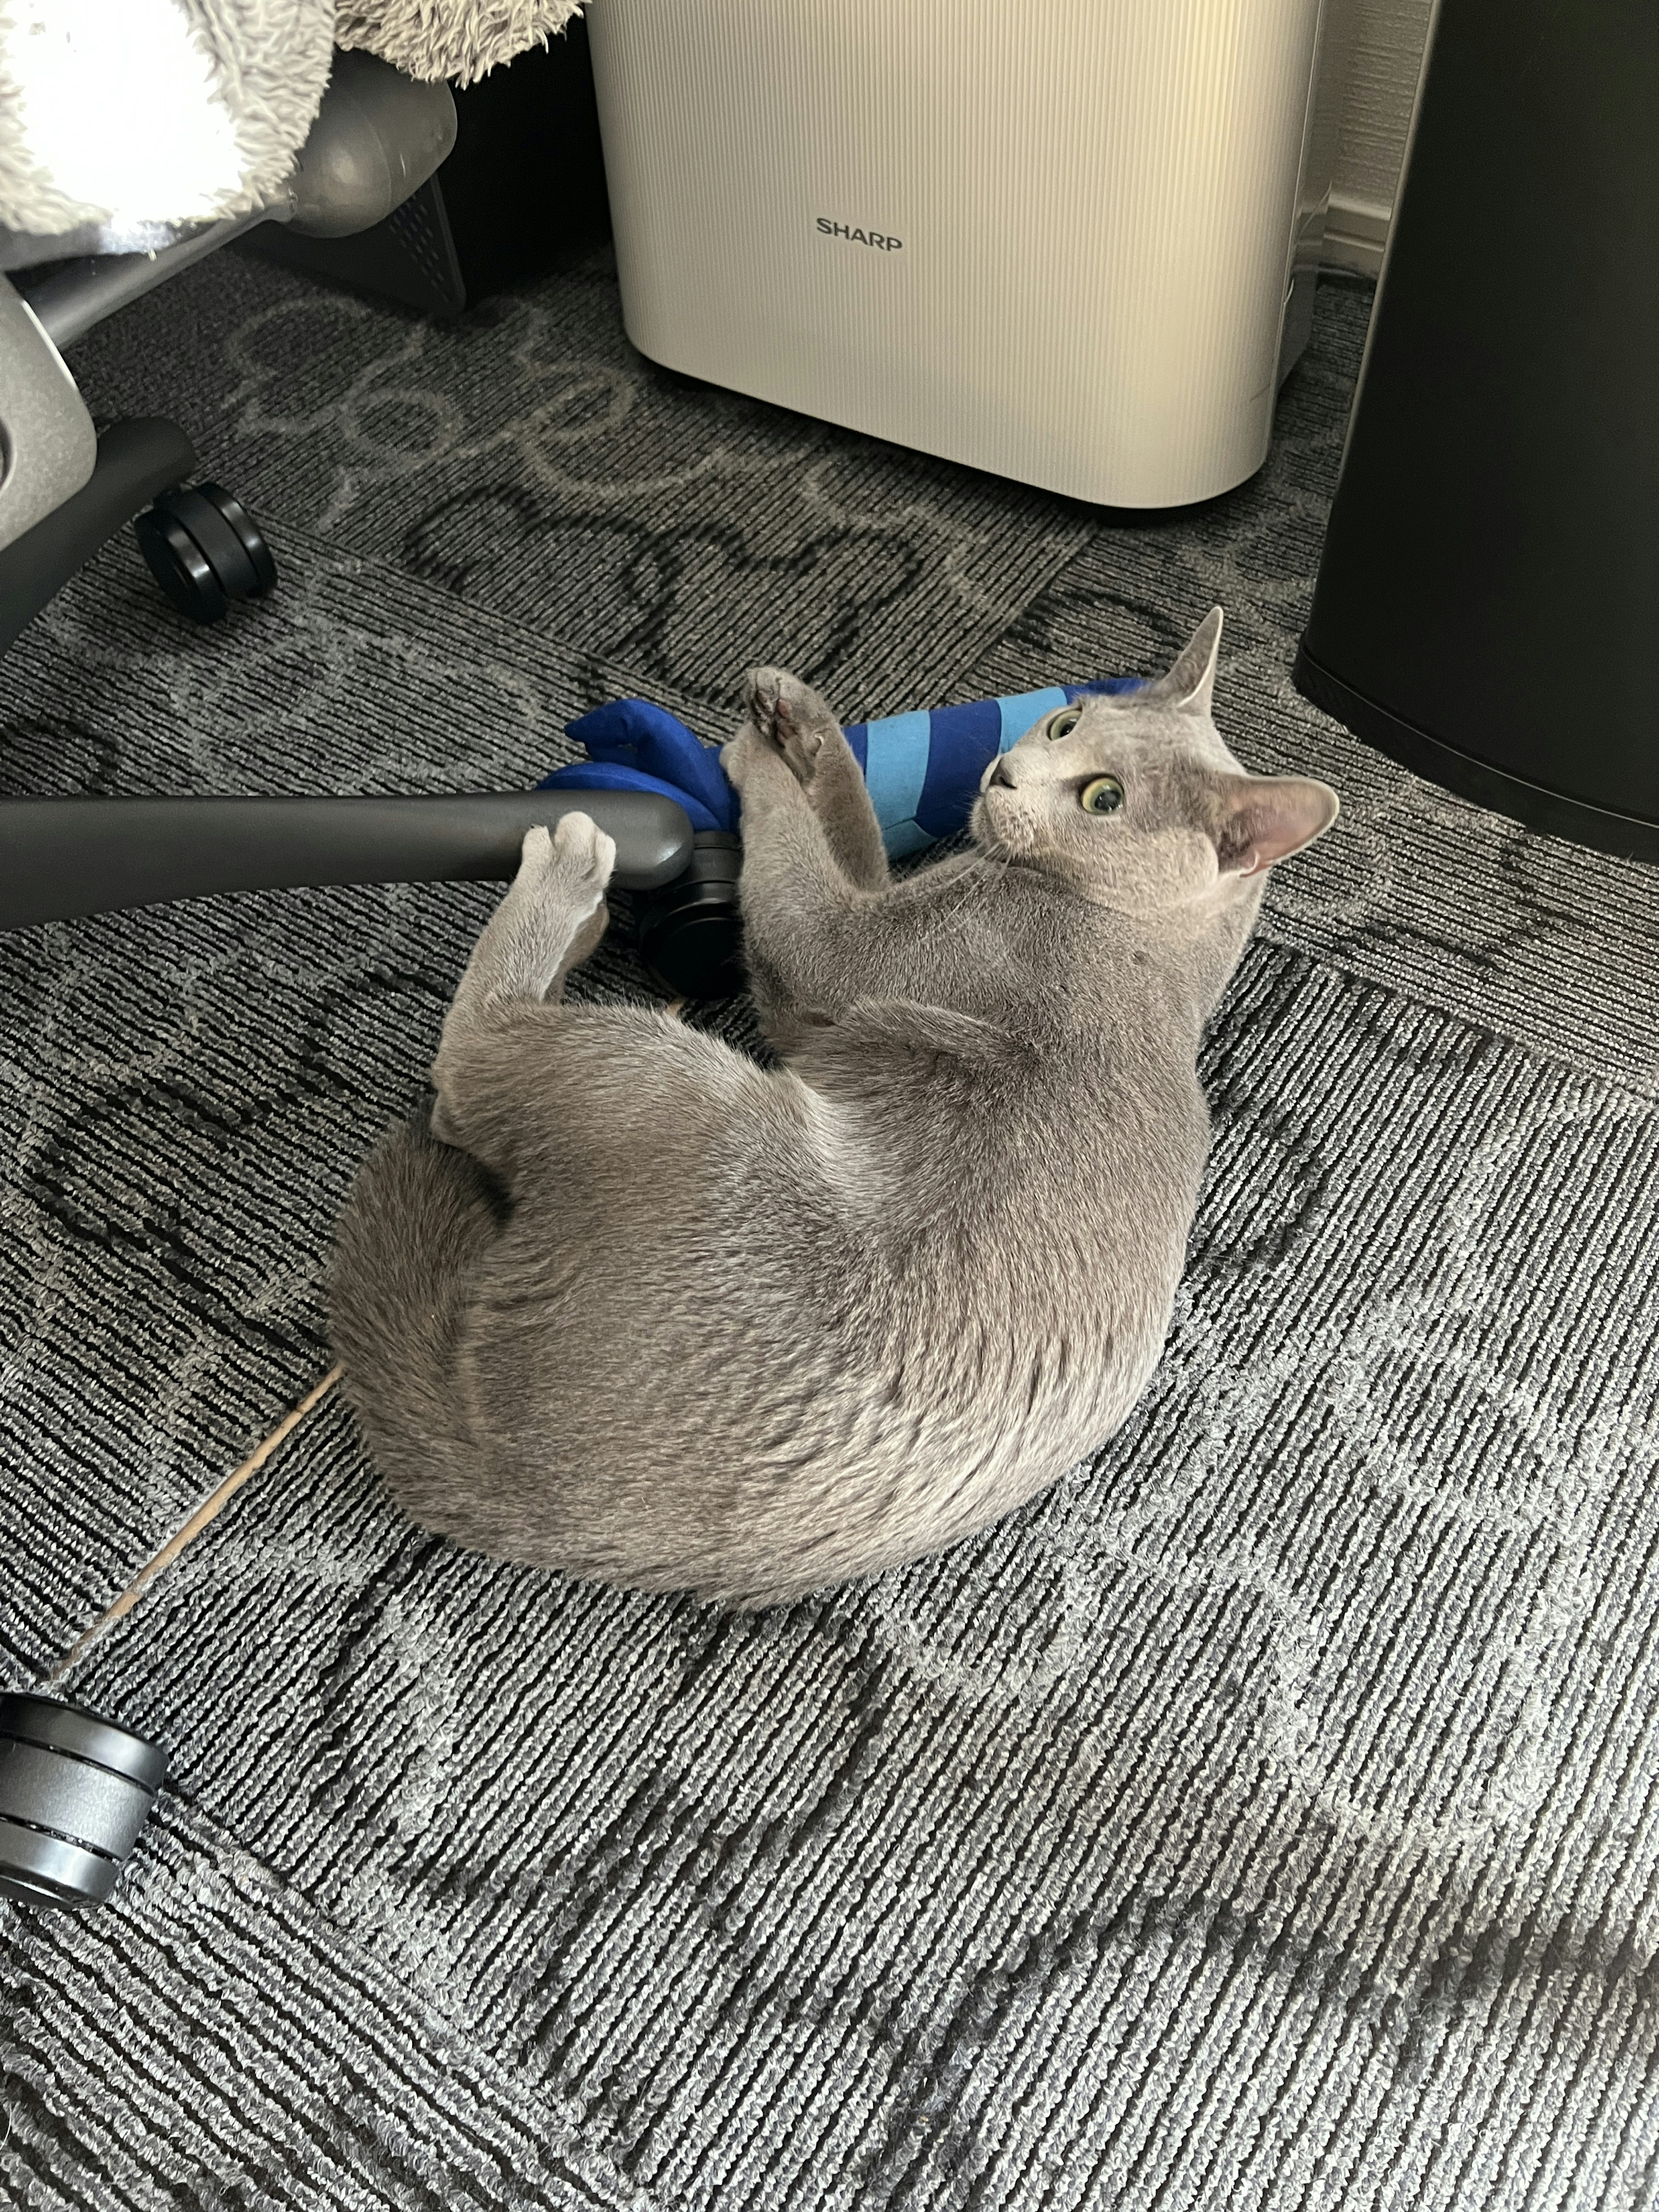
(1001, 773)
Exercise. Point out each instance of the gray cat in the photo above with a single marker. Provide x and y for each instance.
(636, 1308)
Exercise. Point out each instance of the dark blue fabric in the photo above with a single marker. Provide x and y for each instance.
(632, 733)
(961, 743)
(615, 776)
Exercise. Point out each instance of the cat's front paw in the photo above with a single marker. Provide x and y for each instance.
(569, 868)
(788, 718)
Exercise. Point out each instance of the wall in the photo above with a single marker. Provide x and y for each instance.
(1385, 40)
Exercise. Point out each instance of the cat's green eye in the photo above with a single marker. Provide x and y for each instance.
(1103, 796)
(1062, 723)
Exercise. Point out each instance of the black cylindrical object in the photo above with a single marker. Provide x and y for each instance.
(691, 931)
(205, 550)
(60, 857)
(1485, 608)
(75, 1791)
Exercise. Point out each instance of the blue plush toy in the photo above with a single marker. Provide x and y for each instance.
(922, 770)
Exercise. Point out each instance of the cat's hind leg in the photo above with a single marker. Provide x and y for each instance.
(793, 719)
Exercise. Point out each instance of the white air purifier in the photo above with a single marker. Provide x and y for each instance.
(1054, 239)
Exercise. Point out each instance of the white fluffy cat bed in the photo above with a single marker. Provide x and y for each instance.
(120, 119)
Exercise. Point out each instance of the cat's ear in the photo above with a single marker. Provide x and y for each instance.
(1190, 683)
(1265, 818)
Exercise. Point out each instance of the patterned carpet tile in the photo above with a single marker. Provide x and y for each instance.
(528, 460)
(207, 2041)
(1261, 1818)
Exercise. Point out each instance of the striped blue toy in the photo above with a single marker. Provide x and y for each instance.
(923, 770)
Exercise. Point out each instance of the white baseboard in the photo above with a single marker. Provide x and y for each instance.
(1356, 232)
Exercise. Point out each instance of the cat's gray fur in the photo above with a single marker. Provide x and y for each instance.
(636, 1308)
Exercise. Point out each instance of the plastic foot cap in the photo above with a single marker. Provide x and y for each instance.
(75, 1791)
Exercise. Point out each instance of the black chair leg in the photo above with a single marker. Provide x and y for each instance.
(62, 857)
(136, 461)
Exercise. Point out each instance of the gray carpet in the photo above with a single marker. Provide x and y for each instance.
(1262, 1819)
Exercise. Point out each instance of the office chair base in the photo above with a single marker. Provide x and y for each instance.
(136, 460)
(205, 550)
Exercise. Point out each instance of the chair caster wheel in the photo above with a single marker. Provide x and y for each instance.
(75, 1791)
(204, 550)
(691, 931)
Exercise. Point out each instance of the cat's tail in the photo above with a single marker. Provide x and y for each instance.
(419, 1218)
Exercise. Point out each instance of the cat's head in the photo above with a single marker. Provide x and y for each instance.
(1134, 799)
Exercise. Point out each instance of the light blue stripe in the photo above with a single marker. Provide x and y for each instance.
(895, 765)
(1019, 714)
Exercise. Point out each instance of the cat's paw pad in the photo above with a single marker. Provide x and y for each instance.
(789, 717)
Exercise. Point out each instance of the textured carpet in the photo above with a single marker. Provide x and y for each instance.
(1262, 1819)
